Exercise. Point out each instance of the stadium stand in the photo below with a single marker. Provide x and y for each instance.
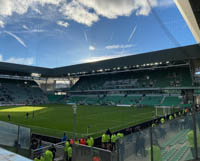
(92, 100)
(56, 98)
(21, 92)
(159, 78)
(131, 100)
(171, 101)
(77, 99)
(113, 99)
(151, 100)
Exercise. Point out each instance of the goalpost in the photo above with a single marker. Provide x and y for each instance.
(163, 110)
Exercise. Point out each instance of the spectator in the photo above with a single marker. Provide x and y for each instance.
(83, 141)
(53, 150)
(156, 153)
(90, 141)
(69, 151)
(113, 141)
(40, 148)
(108, 132)
(103, 141)
(190, 139)
(34, 143)
(64, 138)
(48, 155)
(71, 141)
(27, 114)
(9, 117)
(66, 149)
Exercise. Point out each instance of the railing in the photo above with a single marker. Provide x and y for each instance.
(175, 140)
(59, 155)
(86, 153)
(14, 136)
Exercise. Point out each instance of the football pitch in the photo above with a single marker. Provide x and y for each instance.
(55, 119)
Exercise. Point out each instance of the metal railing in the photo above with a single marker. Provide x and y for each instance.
(59, 155)
(175, 140)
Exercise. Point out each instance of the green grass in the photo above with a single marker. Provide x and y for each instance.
(53, 119)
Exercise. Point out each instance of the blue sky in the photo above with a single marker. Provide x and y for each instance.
(53, 33)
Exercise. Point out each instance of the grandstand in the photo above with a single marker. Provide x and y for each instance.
(103, 91)
(133, 80)
(144, 100)
(21, 92)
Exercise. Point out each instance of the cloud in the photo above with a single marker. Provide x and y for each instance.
(29, 30)
(132, 33)
(165, 3)
(16, 37)
(63, 24)
(114, 8)
(8, 7)
(37, 11)
(80, 10)
(85, 12)
(1, 24)
(95, 59)
(77, 12)
(91, 48)
(25, 27)
(25, 61)
(85, 35)
(100, 58)
(119, 46)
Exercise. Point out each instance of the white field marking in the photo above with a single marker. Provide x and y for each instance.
(38, 127)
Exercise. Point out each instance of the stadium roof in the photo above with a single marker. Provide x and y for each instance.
(17, 69)
(176, 54)
(190, 10)
(172, 55)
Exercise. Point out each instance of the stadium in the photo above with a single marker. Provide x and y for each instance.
(140, 107)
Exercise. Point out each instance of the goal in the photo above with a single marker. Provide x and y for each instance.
(163, 110)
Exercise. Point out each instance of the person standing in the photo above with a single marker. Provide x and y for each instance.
(34, 143)
(83, 141)
(69, 151)
(66, 149)
(113, 141)
(27, 114)
(64, 138)
(9, 117)
(108, 141)
(53, 150)
(90, 141)
(48, 155)
(156, 153)
(190, 139)
(103, 141)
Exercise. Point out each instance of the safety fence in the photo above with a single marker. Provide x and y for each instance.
(14, 136)
(175, 140)
(86, 153)
(59, 150)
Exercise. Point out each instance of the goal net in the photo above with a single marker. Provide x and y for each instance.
(163, 110)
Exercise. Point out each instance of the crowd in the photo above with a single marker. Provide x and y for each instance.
(109, 140)
(50, 153)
